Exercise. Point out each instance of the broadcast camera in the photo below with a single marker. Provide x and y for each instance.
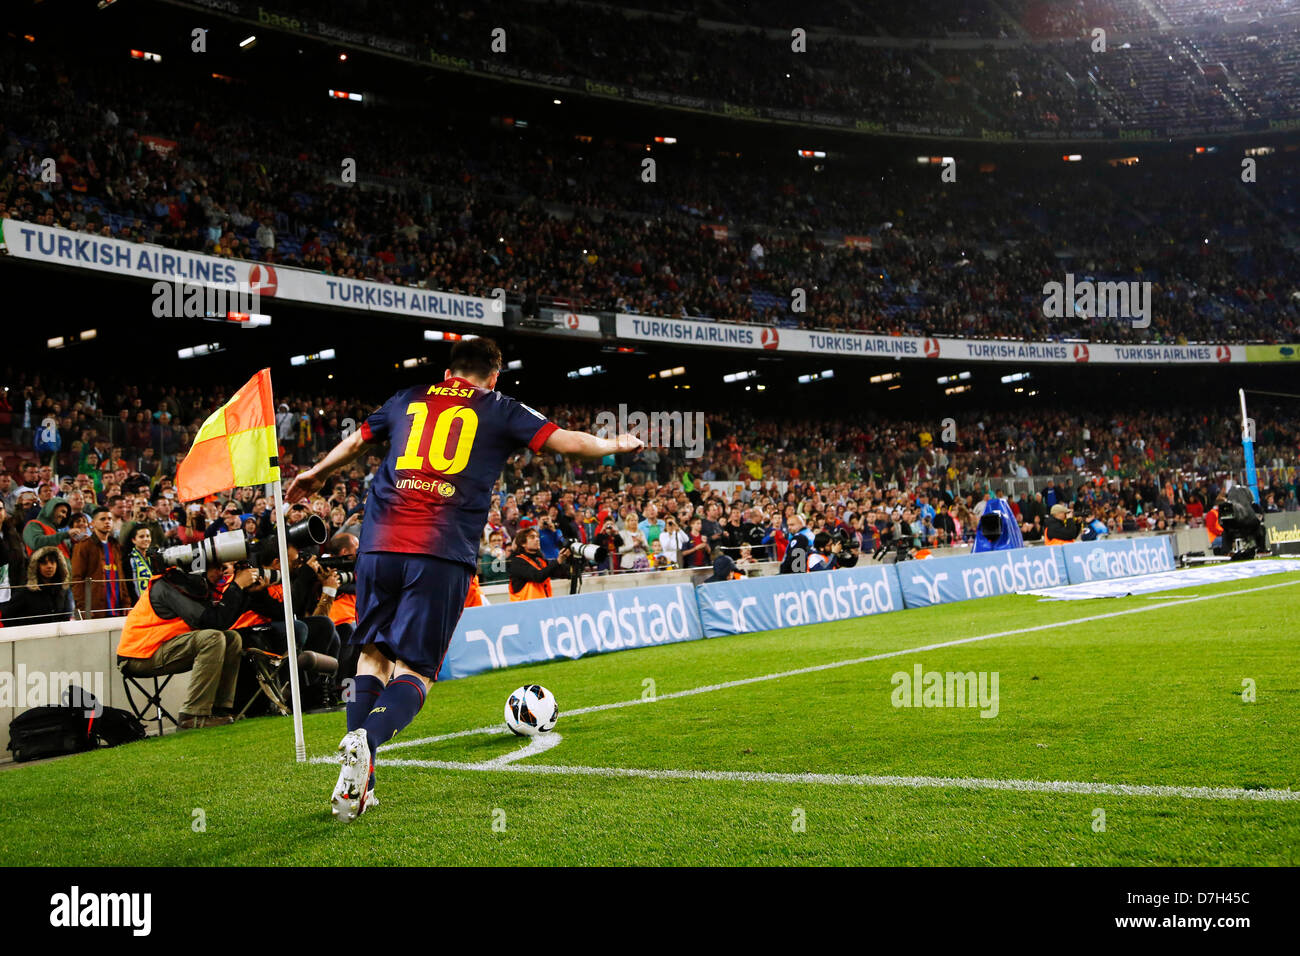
(1243, 530)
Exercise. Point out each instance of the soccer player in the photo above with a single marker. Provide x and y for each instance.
(419, 541)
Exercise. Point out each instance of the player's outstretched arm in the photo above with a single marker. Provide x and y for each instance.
(582, 445)
(313, 479)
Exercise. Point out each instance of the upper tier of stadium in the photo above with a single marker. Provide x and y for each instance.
(1019, 68)
(554, 217)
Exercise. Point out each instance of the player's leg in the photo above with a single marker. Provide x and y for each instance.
(431, 604)
(379, 583)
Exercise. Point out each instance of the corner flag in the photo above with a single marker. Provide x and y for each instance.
(236, 445)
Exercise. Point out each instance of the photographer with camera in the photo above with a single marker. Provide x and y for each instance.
(847, 552)
(1062, 526)
(826, 552)
(182, 619)
(262, 625)
(530, 573)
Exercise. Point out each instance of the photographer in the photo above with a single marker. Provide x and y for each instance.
(826, 552)
(847, 555)
(530, 573)
(1062, 526)
(180, 620)
(263, 624)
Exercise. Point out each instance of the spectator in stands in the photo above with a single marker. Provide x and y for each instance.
(13, 556)
(136, 561)
(632, 548)
(143, 514)
(549, 537)
(98, 579)
(49, 529)
(8, 490)
(27, 472)
(46, 597)
(652, 526)
(232, 519)
(607, 538)
(673, 541)
(28, 508)
(492, 559)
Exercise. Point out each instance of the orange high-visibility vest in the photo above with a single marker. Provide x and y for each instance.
(530, 590)
(474, 596)
(1213, 527)
(62, 545)
(344, 609)
(144, 631)
(253, 618)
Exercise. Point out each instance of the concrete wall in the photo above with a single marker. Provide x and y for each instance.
(87, 648)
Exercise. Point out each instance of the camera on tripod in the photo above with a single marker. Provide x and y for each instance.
(1244, 534)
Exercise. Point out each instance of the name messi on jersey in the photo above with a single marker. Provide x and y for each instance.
(450, 391)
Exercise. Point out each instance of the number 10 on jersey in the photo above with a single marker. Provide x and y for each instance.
(447, 461)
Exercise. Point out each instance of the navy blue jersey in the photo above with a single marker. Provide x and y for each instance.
(449, 443)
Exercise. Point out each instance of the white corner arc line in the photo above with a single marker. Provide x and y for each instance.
(539, 744)
(725, 685)
(858, 780)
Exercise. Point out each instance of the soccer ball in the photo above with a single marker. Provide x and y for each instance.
(531, 710)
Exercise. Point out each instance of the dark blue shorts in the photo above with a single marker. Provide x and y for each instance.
(408, 606)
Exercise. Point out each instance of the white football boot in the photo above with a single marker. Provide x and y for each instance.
(351, 794)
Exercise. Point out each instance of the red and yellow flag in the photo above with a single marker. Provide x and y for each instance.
(235, 446)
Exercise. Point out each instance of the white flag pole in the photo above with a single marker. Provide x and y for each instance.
(300, 747)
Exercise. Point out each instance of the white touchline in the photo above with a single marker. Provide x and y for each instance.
(856, 780)
(708, 688)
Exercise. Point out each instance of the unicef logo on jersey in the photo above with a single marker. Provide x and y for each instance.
(443, 488)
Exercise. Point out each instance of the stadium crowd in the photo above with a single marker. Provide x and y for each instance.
(1031, 81)
(554, 220)
(89, 482)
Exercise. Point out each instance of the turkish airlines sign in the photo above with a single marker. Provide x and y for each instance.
(644, 328)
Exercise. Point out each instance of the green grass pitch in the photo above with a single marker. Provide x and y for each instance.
(1148, 699)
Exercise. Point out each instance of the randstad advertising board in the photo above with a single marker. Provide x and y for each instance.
(502, 635)
(788, 600)
(1102, 560)
(942, 580)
